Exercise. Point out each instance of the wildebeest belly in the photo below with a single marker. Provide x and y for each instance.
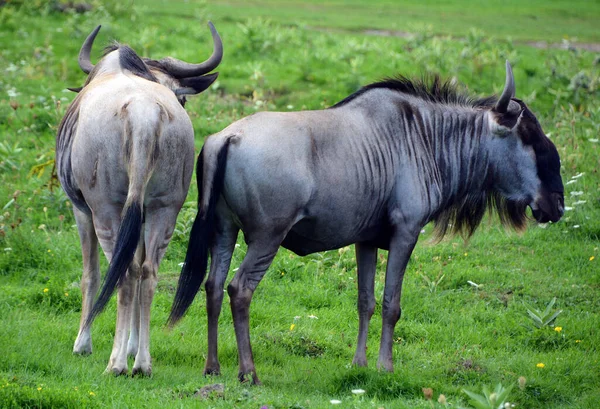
(313, 235)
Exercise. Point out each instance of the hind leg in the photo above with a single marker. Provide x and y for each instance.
(221, 252)
(125, 304)
(157, 234)
(261, 252)
(133, 342)
(90, 280)
(106, 223)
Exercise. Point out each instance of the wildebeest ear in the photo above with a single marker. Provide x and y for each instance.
(195, 85)
(78, 89)
(505, 122)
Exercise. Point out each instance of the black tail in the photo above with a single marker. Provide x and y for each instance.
(201, 236)
(125, 246)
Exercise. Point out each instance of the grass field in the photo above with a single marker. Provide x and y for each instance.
(452, 335)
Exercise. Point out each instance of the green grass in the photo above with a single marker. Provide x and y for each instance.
(539, 20)
(451, 337)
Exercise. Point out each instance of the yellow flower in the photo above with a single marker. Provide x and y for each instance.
(46, 290)
(577, 341)
(540, 365)
(592, 258)
(39, 388)
(66, 294)
(292, 327)
(557, 329)
(466, 254)
(92, 393)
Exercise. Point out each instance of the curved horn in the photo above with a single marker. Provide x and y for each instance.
(509, 91)
(181, 69)
(84, 54)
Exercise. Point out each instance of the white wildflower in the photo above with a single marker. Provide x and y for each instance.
(577, 176)
(579, 202)
(313, 317)
(576, 193)
(335, 401)
(571, 181)
(358, 391)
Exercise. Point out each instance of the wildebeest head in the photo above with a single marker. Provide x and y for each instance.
(526, 162)
(181, 77)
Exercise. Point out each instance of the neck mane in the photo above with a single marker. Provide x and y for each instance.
(431, 89)
(444, 133)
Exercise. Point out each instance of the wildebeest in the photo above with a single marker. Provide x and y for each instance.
(125, 154)
(372, 170)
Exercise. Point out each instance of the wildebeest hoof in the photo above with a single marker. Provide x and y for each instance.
(249, 377)
(140, 371)
(82, 348)
(82, 351)
(116, 371)
(385, 366)
(212, 371)
(359, 362)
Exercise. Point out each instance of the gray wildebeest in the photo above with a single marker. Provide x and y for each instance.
(125, 155)
(372, 170)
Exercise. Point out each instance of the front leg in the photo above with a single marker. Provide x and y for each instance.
(366, 261)
(401, 246)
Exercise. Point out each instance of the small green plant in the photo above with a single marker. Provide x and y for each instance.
(432, 283)
(544, 318)
(9, 156)
(185, 221)
(495, 399)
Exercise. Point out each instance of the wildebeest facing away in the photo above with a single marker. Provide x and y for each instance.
(372, 170)
(125, 154)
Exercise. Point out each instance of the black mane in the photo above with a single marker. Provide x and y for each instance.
(431, 89)
(128, 60)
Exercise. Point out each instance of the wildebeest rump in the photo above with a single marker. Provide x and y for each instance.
(124, 154)
(372, 170)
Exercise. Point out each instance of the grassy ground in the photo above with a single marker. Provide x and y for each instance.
(452, 335)
(532, 20)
